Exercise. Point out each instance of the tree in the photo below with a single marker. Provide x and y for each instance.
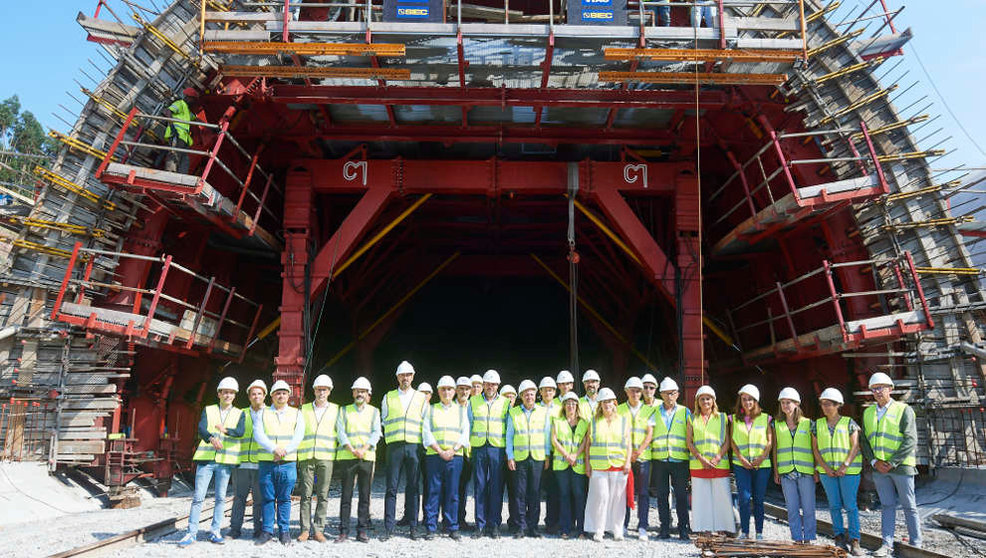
(21, 138)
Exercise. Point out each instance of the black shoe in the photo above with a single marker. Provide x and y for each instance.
(235, 533)
(427, 536)
(361, 537)
(463, 526)
(385, 536)
(477, 534)
(552, 530)
(533, 534)
(518, 535)
(404, 522)
(285, 537)
(684, 533)
(495, 533)
(455, 536)
(264, 538)
(413, 534)
(664, 535)
(343, 537)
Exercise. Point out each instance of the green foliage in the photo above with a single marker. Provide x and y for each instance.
(21, 135)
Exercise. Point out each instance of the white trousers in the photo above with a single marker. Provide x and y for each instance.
(605, 506)
(712, 505)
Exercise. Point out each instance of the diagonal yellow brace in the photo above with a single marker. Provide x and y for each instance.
(376, 238)
(65, 184)
(161, 36)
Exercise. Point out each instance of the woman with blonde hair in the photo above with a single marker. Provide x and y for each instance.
(608, 453)
(712, 508)
(751, 440)
(568, 436)
(795, 465)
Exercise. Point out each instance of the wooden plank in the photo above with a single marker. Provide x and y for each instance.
(84, 447)
(243, 17)
(222, 35)
(94, 434)
(766, 23)
(92, 404)
(90, 388)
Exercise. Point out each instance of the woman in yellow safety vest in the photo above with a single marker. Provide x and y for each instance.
(835, 443)
(609, 465)
(751, 440)
(707, 439)
(568, 436)
(794, 464)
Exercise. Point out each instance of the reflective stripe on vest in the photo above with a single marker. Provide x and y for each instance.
(230, 454)
(248, 446)
(556, 410)
(608, 447)
(529, 433)
(751, 443)
(834, 447)
(570, 438)
(401, 425)
(359, 424)
(709, 438)
(489, 421)
(638, 426)
(446, 426)
(320, 435)
(670, 443)
(884, 435)
(587, 409)
(280, 431)
(794, 453)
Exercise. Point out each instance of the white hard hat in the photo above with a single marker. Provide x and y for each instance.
(476, 379)
(649, 379)
(507, 388)
(228, 382)
(279, 385)
(425, 387)
(789, 393)
(547, 381)
(705, 390)
(257, 383)
(491, 377)
(832, 394)
(323, 381)
(526, 385)
(880, 379)
(446, 382)
(463, 381)
(605, 394)
(404, 368)
(565, 377)
(633, 382)
(362, 383)
(751, 390)
(570, 396)
(667, 384)
(590, 375)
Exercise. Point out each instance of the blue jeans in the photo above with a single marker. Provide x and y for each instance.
(443, 487)
(571, 497)
(892, 488)
(276, 483)
(799, 496)
(203, 476)
(641, 482)
(488, 465)
(708, 13)
(841, 494)
(751, 484)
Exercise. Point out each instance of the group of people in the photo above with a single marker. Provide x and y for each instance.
(595, 459)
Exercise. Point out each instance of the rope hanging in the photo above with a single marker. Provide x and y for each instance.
(573, 271)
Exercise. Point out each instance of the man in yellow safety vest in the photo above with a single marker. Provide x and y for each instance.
(279, 434)
(402, 412)
(178, 132)
(445, 438)
(316, 456)
(358, 429)
(528, 446)
(245, 478)
(488, 424)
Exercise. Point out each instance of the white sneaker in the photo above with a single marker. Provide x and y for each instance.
(884, 550)
(618, 536)
(743, 537)
(598, 537)
(642, 534)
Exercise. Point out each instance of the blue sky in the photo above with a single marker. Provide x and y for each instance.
(44, 49)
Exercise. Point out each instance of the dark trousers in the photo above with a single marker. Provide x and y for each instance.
(464, 479)
(423, 490)
(512, 515)
(641, 476)
(353, 471)
(245, 481)
(443, 489)
(677, 473)
(551, 501)
(401, 457)
(527, 493)
(571, 499)
(488, 483)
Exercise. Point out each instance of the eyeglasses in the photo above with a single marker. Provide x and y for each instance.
(875, 389)
(671, 392)
(650, 387)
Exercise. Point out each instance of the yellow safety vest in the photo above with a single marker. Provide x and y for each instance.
(884, 435)
(708, 438)
(529, 433)
(489, 421)
(570, 439)
(279, 431)
(670, 443)
(834, 447)
(446, 426)
(359, 424)
(638, 426)
(586, 408)
(320, 435)
(608, 447)
(794, 453)
(555, 411)
(401, 425)
(751, 444)
(230, 454)
(248, 446)
(180, 111)
(467, 449)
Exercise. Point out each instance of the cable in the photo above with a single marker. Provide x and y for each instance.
(952, 493)
(944, 102)
(17, 488)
